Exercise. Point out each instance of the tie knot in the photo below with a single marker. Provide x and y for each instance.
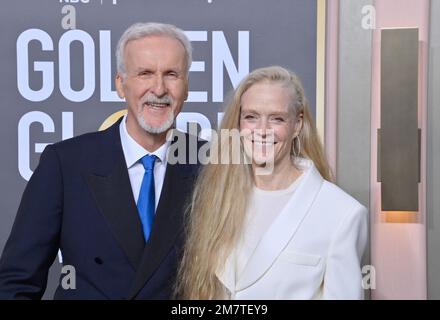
(148, 161)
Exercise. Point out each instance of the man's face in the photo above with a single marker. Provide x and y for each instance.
(155, 84)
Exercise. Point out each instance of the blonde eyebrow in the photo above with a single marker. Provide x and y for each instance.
(285, 114)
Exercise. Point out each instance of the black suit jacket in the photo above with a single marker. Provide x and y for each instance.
(79, 199)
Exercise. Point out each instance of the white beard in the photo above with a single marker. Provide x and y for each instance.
(156, 130)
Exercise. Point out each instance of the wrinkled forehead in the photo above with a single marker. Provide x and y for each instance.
(165, 51)
(154, 40)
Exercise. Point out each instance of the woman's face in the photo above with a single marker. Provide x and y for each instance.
(268, 123)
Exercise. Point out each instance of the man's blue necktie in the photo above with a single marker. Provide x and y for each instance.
(146, 200)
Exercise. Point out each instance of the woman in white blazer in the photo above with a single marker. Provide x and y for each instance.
(272, 226)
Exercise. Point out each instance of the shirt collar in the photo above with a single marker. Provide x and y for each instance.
(133, 151)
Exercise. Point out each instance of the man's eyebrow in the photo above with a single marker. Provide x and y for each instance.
(140, 69)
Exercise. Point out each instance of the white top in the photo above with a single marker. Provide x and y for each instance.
(264, 207)
(133, 152)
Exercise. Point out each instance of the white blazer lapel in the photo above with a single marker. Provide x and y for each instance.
(227, 275)
(283, 228)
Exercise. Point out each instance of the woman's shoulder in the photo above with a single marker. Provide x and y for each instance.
(329, 196)
(333, 207)
(337, 198)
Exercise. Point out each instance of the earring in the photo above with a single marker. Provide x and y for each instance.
(294, 153)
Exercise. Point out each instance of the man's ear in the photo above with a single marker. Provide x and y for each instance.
(119, 79)
(186, 88)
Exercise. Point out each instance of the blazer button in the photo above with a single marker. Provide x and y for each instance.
(98, 260)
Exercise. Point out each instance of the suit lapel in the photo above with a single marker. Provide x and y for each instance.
(111, 189)
(227, 276)
(282, 229)
(168, 221)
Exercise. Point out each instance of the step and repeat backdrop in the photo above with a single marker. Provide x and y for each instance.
(57, 68)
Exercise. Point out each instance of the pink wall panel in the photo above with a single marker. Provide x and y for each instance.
(398, 247)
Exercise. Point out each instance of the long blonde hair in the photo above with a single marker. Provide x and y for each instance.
(216, 215)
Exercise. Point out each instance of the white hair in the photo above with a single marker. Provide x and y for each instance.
(141, 30)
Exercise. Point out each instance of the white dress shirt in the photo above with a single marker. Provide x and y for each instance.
(133, 152)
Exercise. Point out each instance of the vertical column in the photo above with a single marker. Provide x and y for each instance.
(354, 101)
(433, 155)
(354, 104)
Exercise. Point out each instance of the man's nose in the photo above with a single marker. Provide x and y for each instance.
(159, 87)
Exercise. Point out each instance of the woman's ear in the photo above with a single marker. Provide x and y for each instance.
(299, 123)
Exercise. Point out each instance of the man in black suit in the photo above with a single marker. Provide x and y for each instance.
(85, 196)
